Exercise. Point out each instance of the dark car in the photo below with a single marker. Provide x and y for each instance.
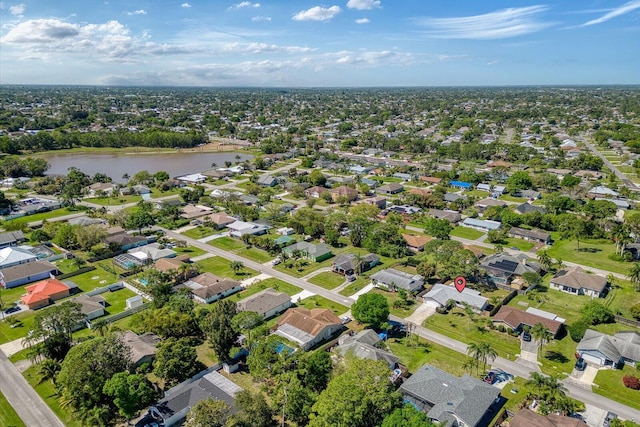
(581, 364)
(607, 420)
(526, 336)
(12, 310)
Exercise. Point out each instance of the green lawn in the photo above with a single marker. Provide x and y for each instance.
(48, 215)
(227, 243)
(50, 396)
(466, 233)
(222, 267)
(423, 351)
(7, 333)
(621, 297)
(276, 284)
(317, 301)
(610, 385)
(93, 279)
(593, 253)
(393, 296)
(8, 415)
(115, 201)
(510, 198)
(455, 323)
(523, 245)
(327, 280)
(199, 232)
(255, 254)
(192, 251)
(355, 286)
(117, 300)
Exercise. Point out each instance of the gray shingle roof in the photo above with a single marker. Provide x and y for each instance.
(576, 278)
(466, 397)
(399, 279)
(443, 293)
(623, 344)
(263, 301)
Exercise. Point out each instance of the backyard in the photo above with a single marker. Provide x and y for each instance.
(593, 253)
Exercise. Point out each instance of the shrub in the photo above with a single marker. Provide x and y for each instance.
(631, 382)
(596, 313)
(501, 328)
(635, 311)
(577, 330)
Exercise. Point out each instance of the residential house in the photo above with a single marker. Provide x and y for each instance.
(403, 176)
(620, 203)
(315, 252)
(194, 178)
(461, 185)
(195, 211)
(152, 252)
(391, 188)
(416, 243)
(530, 235)
(371, 183)
(363, 346)
(177, 402)
(240, 228)
(126, 241)
(267, 303)
(11, 256)
(392, 280)
(574, 280)
(343, 191)
(85, 221)
(610, 351)
(315, 192)
(499, 164)
(452, 197)
(422, 192)
(308, 327)
(177, 265)
(527, 418)
(529, 208)
(99, 188)
(517, 319)
(22, 274)
(530, 194)
(267, 181)
(483, 225)
(207, 287)
(219, 220)
(452, 216)
(346, 264)
(602, 191)
(431, 179)
(45, 292)
(91, 306)
(339, 180)
(12, 238)
(445, 398)
(484, 187)
(378, 201)
(440, 294)
(143, 347)
(141, 190)
(489, 203)
(503, 267)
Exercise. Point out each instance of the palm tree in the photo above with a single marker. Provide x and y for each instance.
(126, 177)
(541, 334)
(100, 326)
(634, 275)
(236, 266)
(545, 260)
(48, 371)
(538, 382)
(488, 353)
(469, 364)
(469, 312)
(475, 351)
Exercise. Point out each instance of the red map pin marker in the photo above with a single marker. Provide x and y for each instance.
(460, 283)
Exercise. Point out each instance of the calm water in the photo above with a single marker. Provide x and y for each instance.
(116, 165)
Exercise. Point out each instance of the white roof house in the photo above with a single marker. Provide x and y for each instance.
(481, 224)
(601, 190)
(192, 178)
(15, 255)
(441, 293)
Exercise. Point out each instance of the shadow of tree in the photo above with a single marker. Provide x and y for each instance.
(556, 356)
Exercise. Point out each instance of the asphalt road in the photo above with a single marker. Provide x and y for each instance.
(509, 366)
(24, 399)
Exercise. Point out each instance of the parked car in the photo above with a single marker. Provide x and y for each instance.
(12, 310)
(276, 261)
(351, 277)
(346, 319)
(490, 378)
(607, 420)
(526, 336)
(581, 364)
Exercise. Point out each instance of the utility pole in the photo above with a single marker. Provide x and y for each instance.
(284, 406)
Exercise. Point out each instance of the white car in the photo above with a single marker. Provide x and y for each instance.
(276, 261)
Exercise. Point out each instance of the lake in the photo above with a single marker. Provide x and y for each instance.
(116, 165)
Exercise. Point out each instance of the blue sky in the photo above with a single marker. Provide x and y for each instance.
(313, 44)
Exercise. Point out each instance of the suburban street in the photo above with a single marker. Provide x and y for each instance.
(626, 181)
(24, 399)
(511, 367)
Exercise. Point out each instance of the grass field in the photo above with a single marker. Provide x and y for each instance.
(593, 253)
(455, 324)
(523, 245)
(114, 201)
(255, 254)
(199, 232)
(327, 280)
(610, 385)
(192, 251)
(222, 267)
(227, 243)
(48, 215)
(317, 301)
(391, 297)
(117, 300)
(8, 416)
(466, 233)
(276, 284)
(50, 396)
(423, 351)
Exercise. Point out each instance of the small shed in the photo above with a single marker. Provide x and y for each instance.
(133, 302)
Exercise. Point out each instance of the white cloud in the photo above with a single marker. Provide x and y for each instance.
(261, 18)
(362, 21)
(622, 10)
(40, 31)
(137, 12)
(317, 13)
(364, 4)
(500, 24)
(259, 48)
(243, 5)
(185, 5)
(17, 9)
(494, 62)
